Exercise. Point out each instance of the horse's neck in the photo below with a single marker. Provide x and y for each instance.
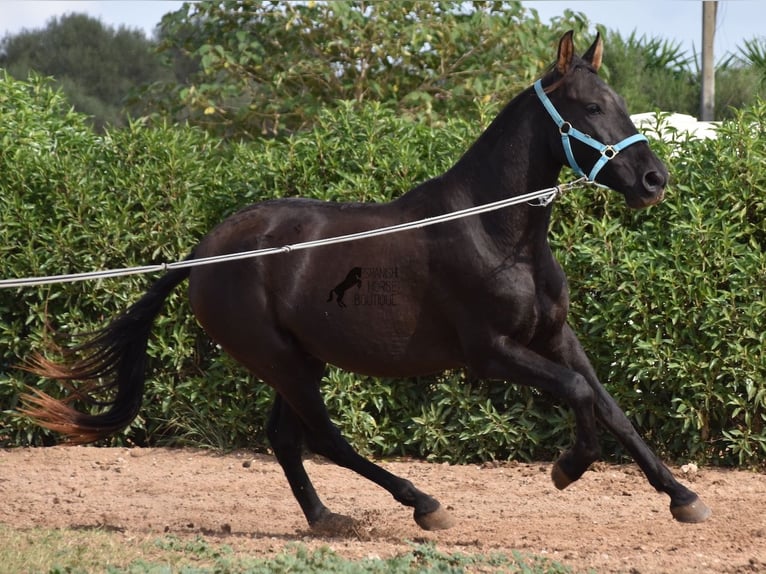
(509, 159)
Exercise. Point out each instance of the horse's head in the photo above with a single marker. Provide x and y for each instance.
(595, 135)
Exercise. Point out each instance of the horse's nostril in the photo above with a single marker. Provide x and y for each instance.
(654, 181)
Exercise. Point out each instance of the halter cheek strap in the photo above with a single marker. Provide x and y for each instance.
(566, 130)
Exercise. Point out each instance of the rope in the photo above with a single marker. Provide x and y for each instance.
(541, 197)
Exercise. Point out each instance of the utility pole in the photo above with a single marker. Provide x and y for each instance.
(707, 102)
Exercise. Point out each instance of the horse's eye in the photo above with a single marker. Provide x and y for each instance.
(593, 109)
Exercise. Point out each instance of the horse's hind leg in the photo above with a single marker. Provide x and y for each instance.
(303, 401)
(285, 433)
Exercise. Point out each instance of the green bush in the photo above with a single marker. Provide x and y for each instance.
(669, 301)
(73, 201)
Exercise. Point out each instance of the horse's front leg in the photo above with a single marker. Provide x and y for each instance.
(505, 359)
(685, 505)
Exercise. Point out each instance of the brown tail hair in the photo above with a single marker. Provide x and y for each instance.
(113, 359)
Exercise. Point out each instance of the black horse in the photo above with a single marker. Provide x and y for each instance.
(482, 293)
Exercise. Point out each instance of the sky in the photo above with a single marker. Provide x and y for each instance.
(676, 20)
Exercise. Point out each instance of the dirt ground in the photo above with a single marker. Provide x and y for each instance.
(609, 521)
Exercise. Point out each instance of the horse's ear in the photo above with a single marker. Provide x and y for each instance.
(595, 53)
(566, 52)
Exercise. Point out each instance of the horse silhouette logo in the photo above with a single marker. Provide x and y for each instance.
(354, 277)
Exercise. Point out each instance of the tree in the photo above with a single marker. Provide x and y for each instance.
(268, 67)
(95, 65)
(651, 73)
(656, 74)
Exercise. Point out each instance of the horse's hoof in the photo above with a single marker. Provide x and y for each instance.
(331, 524)
(693, 512)
(439, 519)
(559, 477)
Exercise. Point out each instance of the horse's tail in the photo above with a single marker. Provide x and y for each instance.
(114, 359)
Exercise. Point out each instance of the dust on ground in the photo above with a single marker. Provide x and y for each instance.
(611, 520)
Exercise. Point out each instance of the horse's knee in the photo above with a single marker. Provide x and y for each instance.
(579, 393)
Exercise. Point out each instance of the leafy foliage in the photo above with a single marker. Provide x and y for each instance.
(269, 67)
(95, 65)
(656, 74)
(669, 302)
(651, 73)
(754, 52)
(74, 200)
(245, 69)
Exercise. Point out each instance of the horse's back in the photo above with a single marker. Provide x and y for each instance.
(363, 305)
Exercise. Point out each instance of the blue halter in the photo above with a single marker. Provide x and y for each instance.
(566, 129)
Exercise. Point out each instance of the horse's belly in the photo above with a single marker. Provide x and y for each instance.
(380, 341)
(380, 365)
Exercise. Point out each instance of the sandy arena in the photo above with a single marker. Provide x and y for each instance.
(609, 521)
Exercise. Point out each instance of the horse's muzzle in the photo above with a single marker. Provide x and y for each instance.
(651, 190)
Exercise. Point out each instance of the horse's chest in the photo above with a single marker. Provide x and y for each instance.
(534, 302)
(552, 302)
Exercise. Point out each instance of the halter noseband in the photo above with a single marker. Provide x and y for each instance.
(566, 129)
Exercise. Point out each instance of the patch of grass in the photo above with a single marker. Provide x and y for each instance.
(84, 551)
(49, 550)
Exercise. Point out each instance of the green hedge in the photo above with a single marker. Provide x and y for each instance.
(668, 301)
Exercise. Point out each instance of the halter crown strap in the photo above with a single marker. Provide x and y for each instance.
(566, 130)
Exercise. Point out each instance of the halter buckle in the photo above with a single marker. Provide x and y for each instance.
(609, 152)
